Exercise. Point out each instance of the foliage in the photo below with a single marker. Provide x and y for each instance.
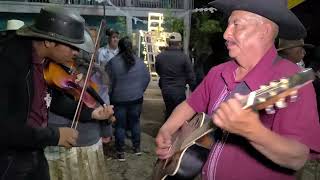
(203, 28)
(121, 25)
(172, 24)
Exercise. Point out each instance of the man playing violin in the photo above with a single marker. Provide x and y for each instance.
(56, 35)
(251, 144)
(86, 156)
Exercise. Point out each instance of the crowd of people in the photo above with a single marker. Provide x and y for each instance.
(53, 130)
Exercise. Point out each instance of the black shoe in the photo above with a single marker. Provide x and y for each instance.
(120, 156)
(137, 151)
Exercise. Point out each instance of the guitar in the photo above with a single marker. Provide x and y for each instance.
(192, 142)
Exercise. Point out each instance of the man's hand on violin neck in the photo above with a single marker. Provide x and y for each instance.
(68, 137)
(104, 112)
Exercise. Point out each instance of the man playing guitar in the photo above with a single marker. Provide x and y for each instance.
(251, 145)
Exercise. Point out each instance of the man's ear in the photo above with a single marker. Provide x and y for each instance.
(49, 44)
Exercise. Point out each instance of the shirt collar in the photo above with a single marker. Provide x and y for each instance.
(258, 76)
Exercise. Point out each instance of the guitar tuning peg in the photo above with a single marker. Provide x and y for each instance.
(284, 80)
(273, 83)
(281, 103)
(262, 100)
(272, 93)
(263, 87)
(270, 110)
(284, 86)
(293, 96)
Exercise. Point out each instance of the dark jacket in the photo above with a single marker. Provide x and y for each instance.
(175, 70)
(16, 93)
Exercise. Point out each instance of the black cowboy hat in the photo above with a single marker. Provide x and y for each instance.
(275, 10)
(61, 25)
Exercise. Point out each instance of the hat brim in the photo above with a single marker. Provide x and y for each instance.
(289, 25)
(308, 46)
(87, 45)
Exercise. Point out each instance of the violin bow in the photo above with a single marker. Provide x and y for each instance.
(80, 103)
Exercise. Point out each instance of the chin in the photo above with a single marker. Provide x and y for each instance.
(232, 55)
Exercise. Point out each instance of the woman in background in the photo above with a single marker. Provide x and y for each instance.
(129, 78)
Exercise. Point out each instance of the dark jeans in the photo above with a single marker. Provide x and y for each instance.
(172, 98)
(24, 166)
(127, 114)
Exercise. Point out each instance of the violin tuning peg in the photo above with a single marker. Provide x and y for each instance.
(79, 77)
(270, 110)
(281, 103)
(293, 96)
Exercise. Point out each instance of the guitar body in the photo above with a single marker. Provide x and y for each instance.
(186, 163)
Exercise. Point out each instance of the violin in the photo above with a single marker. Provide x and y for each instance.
(69, 80)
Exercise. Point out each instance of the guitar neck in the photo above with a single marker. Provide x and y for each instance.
(206, 128)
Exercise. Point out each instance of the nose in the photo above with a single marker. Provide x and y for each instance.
(227, 33)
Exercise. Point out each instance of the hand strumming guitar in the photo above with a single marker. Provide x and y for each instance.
(163, 141)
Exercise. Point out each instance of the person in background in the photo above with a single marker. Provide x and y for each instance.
(293, 50)
(10, 30)
(11, 27)
(100, 77)
(129, 79)
(251, 144)
(24, 96)
(175, 71)
(105, 54)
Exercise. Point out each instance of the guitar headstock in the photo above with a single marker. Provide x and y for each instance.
(276, 92)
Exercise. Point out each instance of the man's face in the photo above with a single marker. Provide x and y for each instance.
(114, 40)
(243, 33)
(61, 53)
(295, 54)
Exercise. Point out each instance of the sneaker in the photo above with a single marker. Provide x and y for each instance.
(120, 156)
(137, 151)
